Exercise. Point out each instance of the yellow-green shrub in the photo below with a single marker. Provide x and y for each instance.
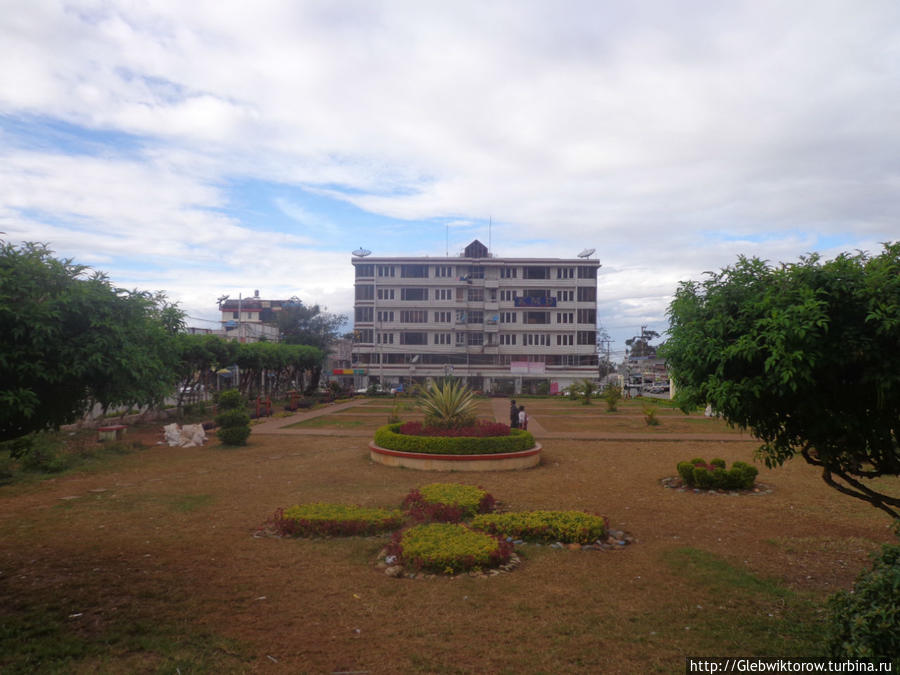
(449, 502)
(565, 526)
(319, 519)
(449, 548)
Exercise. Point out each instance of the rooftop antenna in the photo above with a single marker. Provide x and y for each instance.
(490, 223)
(587, 253)
(362, 252)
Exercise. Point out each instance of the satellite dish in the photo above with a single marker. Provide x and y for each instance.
(587, 253)
(362, 252)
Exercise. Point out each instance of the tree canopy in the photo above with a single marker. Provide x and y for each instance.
(69, 339)
(806, 356)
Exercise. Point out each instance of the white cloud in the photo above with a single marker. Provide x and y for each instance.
(670, 136)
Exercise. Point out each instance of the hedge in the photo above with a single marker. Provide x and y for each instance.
(713, 476)
(447, 502)
(388, 437)
(448, 548)
(547, 526)
(318, 519)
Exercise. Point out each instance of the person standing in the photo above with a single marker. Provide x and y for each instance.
(513, 415)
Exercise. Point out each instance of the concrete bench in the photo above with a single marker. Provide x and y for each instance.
(113, 432)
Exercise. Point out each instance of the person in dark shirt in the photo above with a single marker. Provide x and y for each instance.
(513, 415)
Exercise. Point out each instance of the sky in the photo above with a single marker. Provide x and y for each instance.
(209, 148)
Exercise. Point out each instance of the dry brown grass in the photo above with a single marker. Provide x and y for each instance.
(164, 539)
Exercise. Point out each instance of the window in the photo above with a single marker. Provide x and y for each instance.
(385, 338)
(442, 338)
(414, 271)
(384, 317)
(364, 314)
(587, 272)
(536, 317)
(508, 317)
(564, 317)
(460, 339)
(414, 294)
(385, 270)
(443, 271)
(565, 296)
(507, 339)
(587, 337)
(509, 296)
(536, 340)
(414, 316)
(563, 340)
(509, 272)
(365, 271)
(365, 292)
(565, 272)
(587, 294)
(235, 315)
(587, 316)
(475, 317)
(407, 338)
(476, 272)
(443, 293)
(385, 293)
(535, 293)
(442, 317)
(534, 272)
(364, 335)
(476, 295)
(475, 339)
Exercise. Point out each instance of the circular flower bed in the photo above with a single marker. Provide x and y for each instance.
(391, 438)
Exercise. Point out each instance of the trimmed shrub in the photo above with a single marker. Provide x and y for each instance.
(319, 519)
(545, 526)
(714, 476)
(449, 548)
(865, 623)
(230, 399)
(233, 435)
(233, 420)
(447, 502)
(389, 438)
(480, 429)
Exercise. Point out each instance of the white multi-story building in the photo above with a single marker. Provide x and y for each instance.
(502, 324)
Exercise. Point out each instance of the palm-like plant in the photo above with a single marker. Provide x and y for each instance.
(447, 404)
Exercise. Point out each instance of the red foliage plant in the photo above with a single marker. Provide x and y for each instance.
(482, 428)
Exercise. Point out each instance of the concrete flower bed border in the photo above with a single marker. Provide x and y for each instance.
(508, 461)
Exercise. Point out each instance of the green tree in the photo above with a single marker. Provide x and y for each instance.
(311, 325)
(69, 339)
(639, 345)
(805, 355)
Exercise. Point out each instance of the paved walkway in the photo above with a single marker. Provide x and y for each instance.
(500, 406)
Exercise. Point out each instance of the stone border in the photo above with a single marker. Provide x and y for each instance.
(421, 461)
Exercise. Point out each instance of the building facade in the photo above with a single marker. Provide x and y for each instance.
(250, 319)
(502, 324)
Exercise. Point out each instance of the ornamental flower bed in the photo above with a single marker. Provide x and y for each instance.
(480, 429)
(448, 548)
(575, 527)
(447, 502)
(321, 520)
(391, 438)
(714, 476)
